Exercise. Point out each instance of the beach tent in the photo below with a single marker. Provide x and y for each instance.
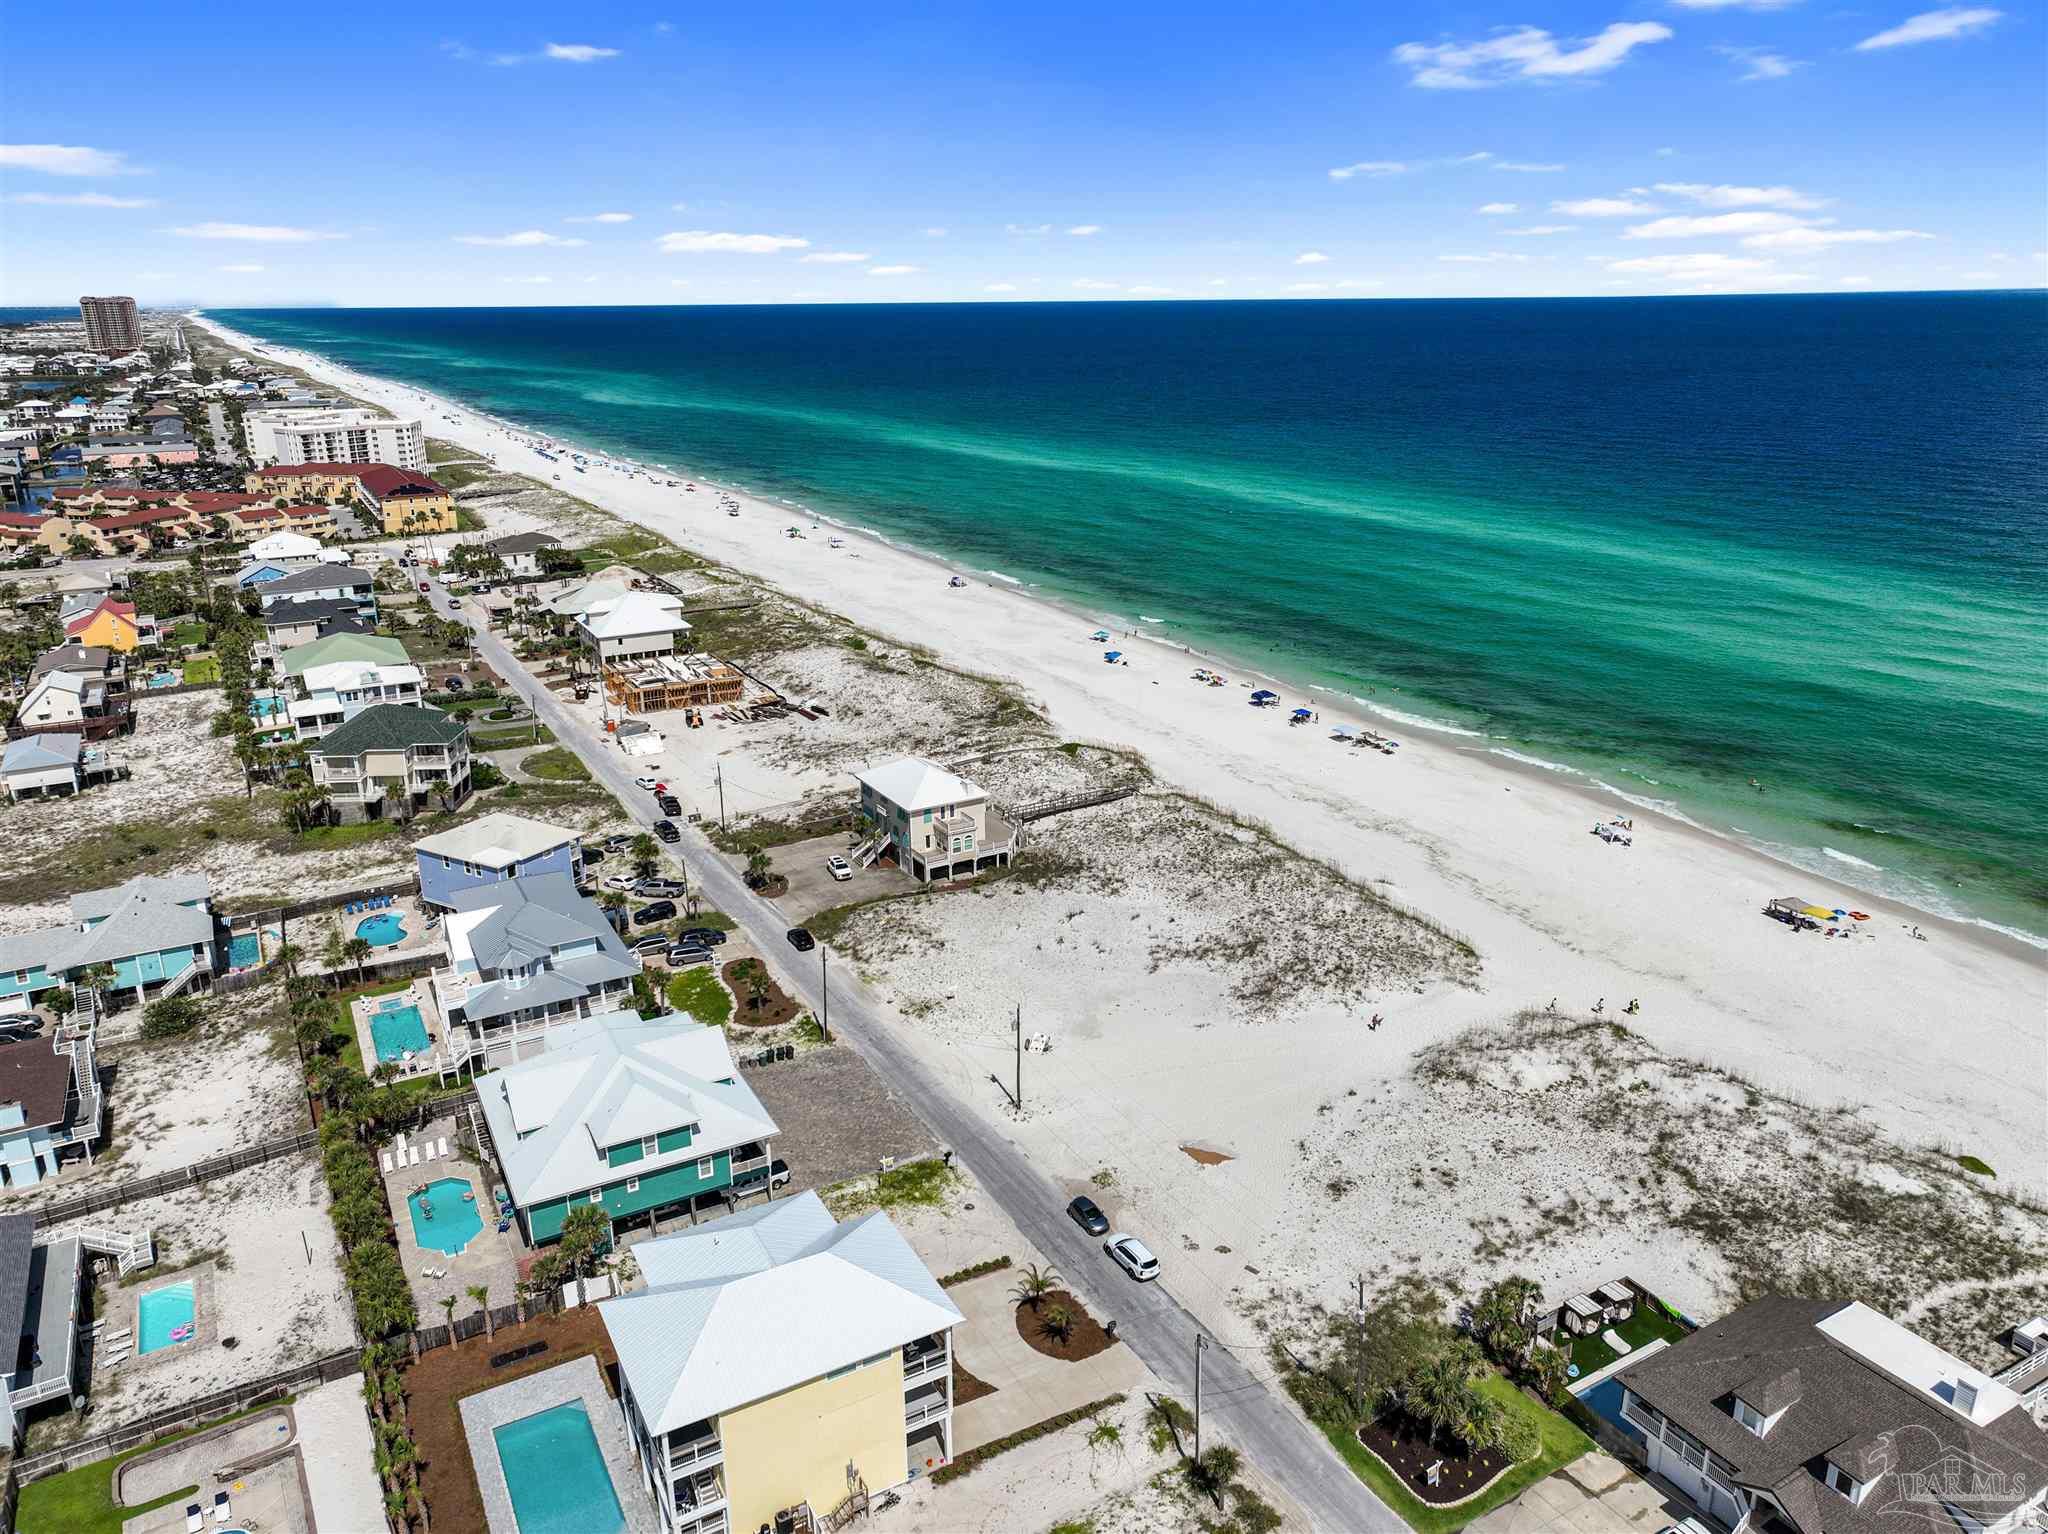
(1820, 913)
(1112, 656)
(1342, 732)
(1100, 635)
(1302, 713)
(1262, 697)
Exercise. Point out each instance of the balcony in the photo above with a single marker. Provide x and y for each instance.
(924, 1405)
(686, 1454)
(925, 1359)
(699, 1494)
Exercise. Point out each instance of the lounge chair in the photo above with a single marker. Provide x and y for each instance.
(195, 1520)
(413, 1156)
(387, 1161)
(441, 1149)
(222, 1508)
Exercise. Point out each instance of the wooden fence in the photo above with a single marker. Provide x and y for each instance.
(137, 694)
(271, 916)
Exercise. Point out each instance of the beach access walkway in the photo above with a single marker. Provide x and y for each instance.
(1266, 1428)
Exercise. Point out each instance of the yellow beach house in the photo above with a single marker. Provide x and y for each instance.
(778, 1364)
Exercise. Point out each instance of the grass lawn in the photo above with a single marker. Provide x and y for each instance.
(1647, 1324)
(202, 668)
(1562, 1443)
(697, 992)
(328, 838)
(81, 1501)
(559, 765)
(192, 632)
(507, 739)
(342, 1026)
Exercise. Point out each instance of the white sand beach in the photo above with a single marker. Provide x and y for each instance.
(1935, 1042)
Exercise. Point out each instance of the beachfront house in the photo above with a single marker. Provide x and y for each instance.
(524, 955)
(286, 550)
(323, 583)
(933, 823)
(43, 765)
(289, 625)
(156, 935)
(520, 553)
(110, 624)
(390, 760)
(634, 626)
(1801, 1416)
(50, 1106)
(71, 702)
(494, 847)
(642, 1119)
(40, 1306)
(398, 499)
(778, 1363)
(325, 697)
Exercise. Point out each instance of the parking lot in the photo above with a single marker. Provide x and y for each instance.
(813, 889)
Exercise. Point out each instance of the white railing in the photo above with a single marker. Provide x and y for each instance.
(698, 1451)
(925, 1367)
(130, 1253)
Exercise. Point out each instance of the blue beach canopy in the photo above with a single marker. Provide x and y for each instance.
(1100, 634)
(1302, 713)
(1112, 656)
(1262, 695)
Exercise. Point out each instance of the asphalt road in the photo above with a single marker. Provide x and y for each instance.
(1249, 1412)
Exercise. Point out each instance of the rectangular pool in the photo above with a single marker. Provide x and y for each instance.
(556, 1474)
(397, 1029)
(164, 1317)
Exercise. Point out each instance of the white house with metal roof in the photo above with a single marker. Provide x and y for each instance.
(632, 626)
(934, 823)
(490, 848)
(778, 1363)
(326, 697)
(641, 1119)
(43, 765)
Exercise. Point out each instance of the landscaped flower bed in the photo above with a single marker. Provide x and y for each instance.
(1080, 1337)
(1408, 1449)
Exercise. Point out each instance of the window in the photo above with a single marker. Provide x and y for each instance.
(632, 1185)
(706, 1167)
(1840, 1480)
(1749, 1416)
(597, 1195)
(649, 1144)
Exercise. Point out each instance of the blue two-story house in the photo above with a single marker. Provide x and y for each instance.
(157, 935)
(490, 849)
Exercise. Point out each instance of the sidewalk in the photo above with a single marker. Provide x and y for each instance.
(334, 1446)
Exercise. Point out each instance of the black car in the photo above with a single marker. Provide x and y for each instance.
(1087, 1216)
(670, 804)
(704, 937)
(666, 831)
(801, 940)
(593, 855)
(661, 910)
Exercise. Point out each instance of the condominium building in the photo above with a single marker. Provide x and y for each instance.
(334, 436)
(111, 326)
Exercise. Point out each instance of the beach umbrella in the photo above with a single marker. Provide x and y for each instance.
(1112, 656)
(1302, 713)
(1099, 634)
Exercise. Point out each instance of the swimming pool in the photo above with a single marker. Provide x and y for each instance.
(397, 1029)
(1605, 1398)
(265, 705)
(556, 1474)
(164, 679)
(161, 1313)
(381, 930)
(453, 1222)
(245, 950)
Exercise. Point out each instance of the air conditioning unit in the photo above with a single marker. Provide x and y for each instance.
(2030, 1337)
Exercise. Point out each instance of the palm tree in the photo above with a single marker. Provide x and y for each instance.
(98, 979)
(481, 1293)
(586, 1231)
(1059, 1321)
(1034, 1284)
(334, 951)
(448, 1310)
(1500, 1315)
(646, 855)
(759, 867)
(358, 949)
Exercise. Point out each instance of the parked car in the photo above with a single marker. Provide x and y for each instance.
(683, 955)
(705, 937)
(669, 804)
(643, 783)
(620, 882)
(650, 945)
(801, 940)
(592, 855)
(661, 910)
(839, 868)
(453, 684)
(777, 1174)
(1086, 1215)
(1133, 1256)
(618, 841)
(666, 831)
(659, 889)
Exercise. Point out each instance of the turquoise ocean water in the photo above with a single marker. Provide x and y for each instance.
(1671, 544)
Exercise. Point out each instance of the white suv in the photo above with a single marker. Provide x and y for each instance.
(839, 869)
(1132, 1255)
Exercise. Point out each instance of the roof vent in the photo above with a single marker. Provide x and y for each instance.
(1966, 1397)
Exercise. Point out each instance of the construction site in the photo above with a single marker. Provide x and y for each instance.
(651, 684)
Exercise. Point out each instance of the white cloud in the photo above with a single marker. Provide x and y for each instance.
(600, 218)
(1666, 152)
(999, 287)
(1528, 167)
(1604, 207)
(1523, 53)
(578, 53)
(1759, 63)
(1852, 282)
(1542, 229)
(1027, 228)
(1091, 285)
(1809, 237)
(679, 282)
(1500, 207)
(900, 269)
(66, 160)
(82, 200)
(1373, 168)
(1740, 196)
(1491, 258)
(534, 281)
(242, 266)
(1933, 26)
(836, 257)
(1695, 264)
(1085, 229)
(523, 239)
(273, 234)
(1310, 258)
(1978, 276)
(1474, 158)
(1694, 226)
(1306, 287)
(934, 233)
(705, 241)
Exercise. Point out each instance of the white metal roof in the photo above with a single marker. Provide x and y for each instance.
(284, 545)
(637, 612)
(759, 1302)
(1918, 1364)
(496, 841)
(914, 784)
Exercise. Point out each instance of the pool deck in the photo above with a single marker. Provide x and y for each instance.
(418, 994)
(490, 1258)
(577, 1380)
(205, 1319)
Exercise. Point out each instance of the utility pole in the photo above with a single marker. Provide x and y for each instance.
(1200, 1343)
(721, 793)
(1018, 1027)
(825, 998)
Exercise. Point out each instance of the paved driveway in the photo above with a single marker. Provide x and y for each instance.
(1030, 1387)
(812, 889)
(1594, 1494)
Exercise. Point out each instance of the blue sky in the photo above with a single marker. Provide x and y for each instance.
(805, 152)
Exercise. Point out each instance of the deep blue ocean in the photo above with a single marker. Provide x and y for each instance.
(1673, 544)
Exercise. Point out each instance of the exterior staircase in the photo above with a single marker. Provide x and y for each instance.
(870, 852)
(130, 1253)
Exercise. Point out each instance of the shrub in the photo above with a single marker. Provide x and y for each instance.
(973, 1459)
(170, 1017)
(974, 1270)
